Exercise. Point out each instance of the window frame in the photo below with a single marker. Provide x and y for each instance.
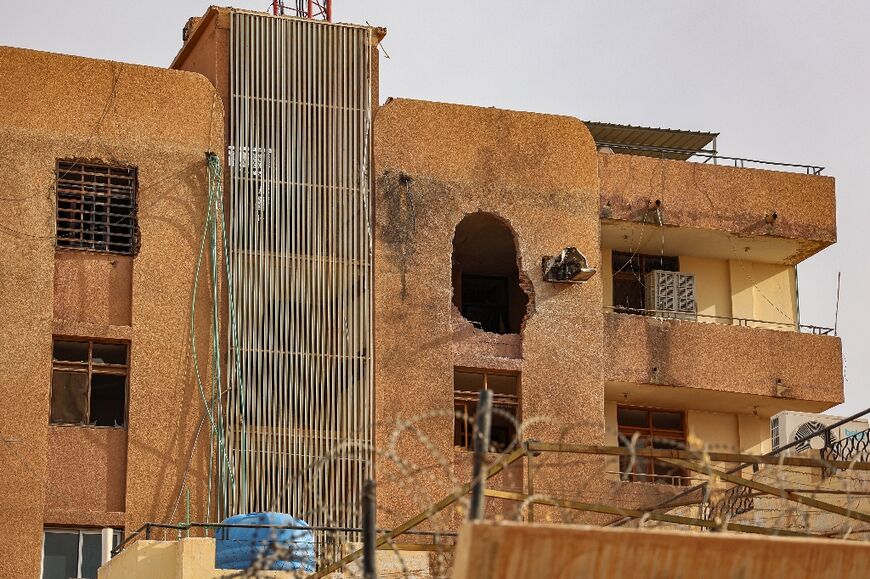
(652, 434)
(80, 531)
(468, 400)
(638, 277)
(88, 368)
(83, 198)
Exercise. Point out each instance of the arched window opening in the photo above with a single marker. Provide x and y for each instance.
(486, 277)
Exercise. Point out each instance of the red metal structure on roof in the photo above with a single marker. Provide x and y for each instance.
(314, 9)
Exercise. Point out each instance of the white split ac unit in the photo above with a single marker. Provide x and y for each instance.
(671, 294)
(788, 426)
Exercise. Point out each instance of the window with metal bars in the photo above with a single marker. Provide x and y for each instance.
(651, 428)
(89, 383)
(96, 207)
(467, 384)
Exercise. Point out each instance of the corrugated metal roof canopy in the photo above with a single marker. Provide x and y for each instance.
(651, 141)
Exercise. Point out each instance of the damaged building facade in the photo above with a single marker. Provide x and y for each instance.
(383, 264)
(103, 207)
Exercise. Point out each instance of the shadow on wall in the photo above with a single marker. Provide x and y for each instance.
(488, 288)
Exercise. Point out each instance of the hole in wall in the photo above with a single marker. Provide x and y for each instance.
(488, 288)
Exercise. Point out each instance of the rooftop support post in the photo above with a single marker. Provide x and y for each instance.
(369, 522)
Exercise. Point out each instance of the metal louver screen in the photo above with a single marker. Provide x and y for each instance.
(774, 432)
(96, 207)
(299, 414)
(671, 294)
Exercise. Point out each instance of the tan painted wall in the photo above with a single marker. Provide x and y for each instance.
(194, 558)
(712, 285)
(531, 170)
(765, 292)
(754, 433)
(611, 438)
(606, 273)
(722, 198)
(56, 106)
(717, 430)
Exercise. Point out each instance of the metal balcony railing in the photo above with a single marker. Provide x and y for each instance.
(329, 543)
(725, 320)
(708, 156)
(852, 448)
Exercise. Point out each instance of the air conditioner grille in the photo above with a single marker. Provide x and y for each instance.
(671, 294)
(774, 432)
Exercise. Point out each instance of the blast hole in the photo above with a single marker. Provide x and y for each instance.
(486, 277)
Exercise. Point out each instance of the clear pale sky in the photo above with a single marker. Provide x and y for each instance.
(780, 80)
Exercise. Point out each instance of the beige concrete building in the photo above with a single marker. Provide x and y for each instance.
(385, 263)
(104, 193)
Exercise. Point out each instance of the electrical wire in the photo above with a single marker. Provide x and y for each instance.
(210, 233)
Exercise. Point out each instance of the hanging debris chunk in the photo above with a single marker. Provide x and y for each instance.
(569, 266)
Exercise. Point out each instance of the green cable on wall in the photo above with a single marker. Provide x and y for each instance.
(214, 228)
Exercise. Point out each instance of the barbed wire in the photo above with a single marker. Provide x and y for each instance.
(825, 496)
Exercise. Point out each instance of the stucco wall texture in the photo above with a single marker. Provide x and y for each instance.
(56, 106)
(434, 164)
(723, 358)
(722, 198)
(531, 170)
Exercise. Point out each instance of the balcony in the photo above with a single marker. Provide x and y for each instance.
(728, 366)
(715, 210)
(727, 320)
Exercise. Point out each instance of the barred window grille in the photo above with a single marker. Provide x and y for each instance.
(96, 207)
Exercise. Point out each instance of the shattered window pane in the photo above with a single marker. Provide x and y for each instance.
(69, 351)
(505, 403)
(107, 399)
(89, 383)
(69, 397)
(109, 353)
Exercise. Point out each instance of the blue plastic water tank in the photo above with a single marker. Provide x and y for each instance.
(240, 547)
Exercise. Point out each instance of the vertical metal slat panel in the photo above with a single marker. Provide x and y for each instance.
(299, 410)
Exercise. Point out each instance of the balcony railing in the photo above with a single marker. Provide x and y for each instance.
(708, 156)
(727, 320)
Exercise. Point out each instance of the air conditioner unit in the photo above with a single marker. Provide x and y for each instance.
(788, 426)
(671, 294)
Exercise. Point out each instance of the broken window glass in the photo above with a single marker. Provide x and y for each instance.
(505, 402)
(66, 351)
(110, 353)
(108, 399)
(89, 383)
(69, 397)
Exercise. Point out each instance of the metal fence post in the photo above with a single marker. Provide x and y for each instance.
(530, 479)
(369, 523)
(481, 447)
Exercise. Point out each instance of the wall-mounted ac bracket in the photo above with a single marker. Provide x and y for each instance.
(568, 266)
